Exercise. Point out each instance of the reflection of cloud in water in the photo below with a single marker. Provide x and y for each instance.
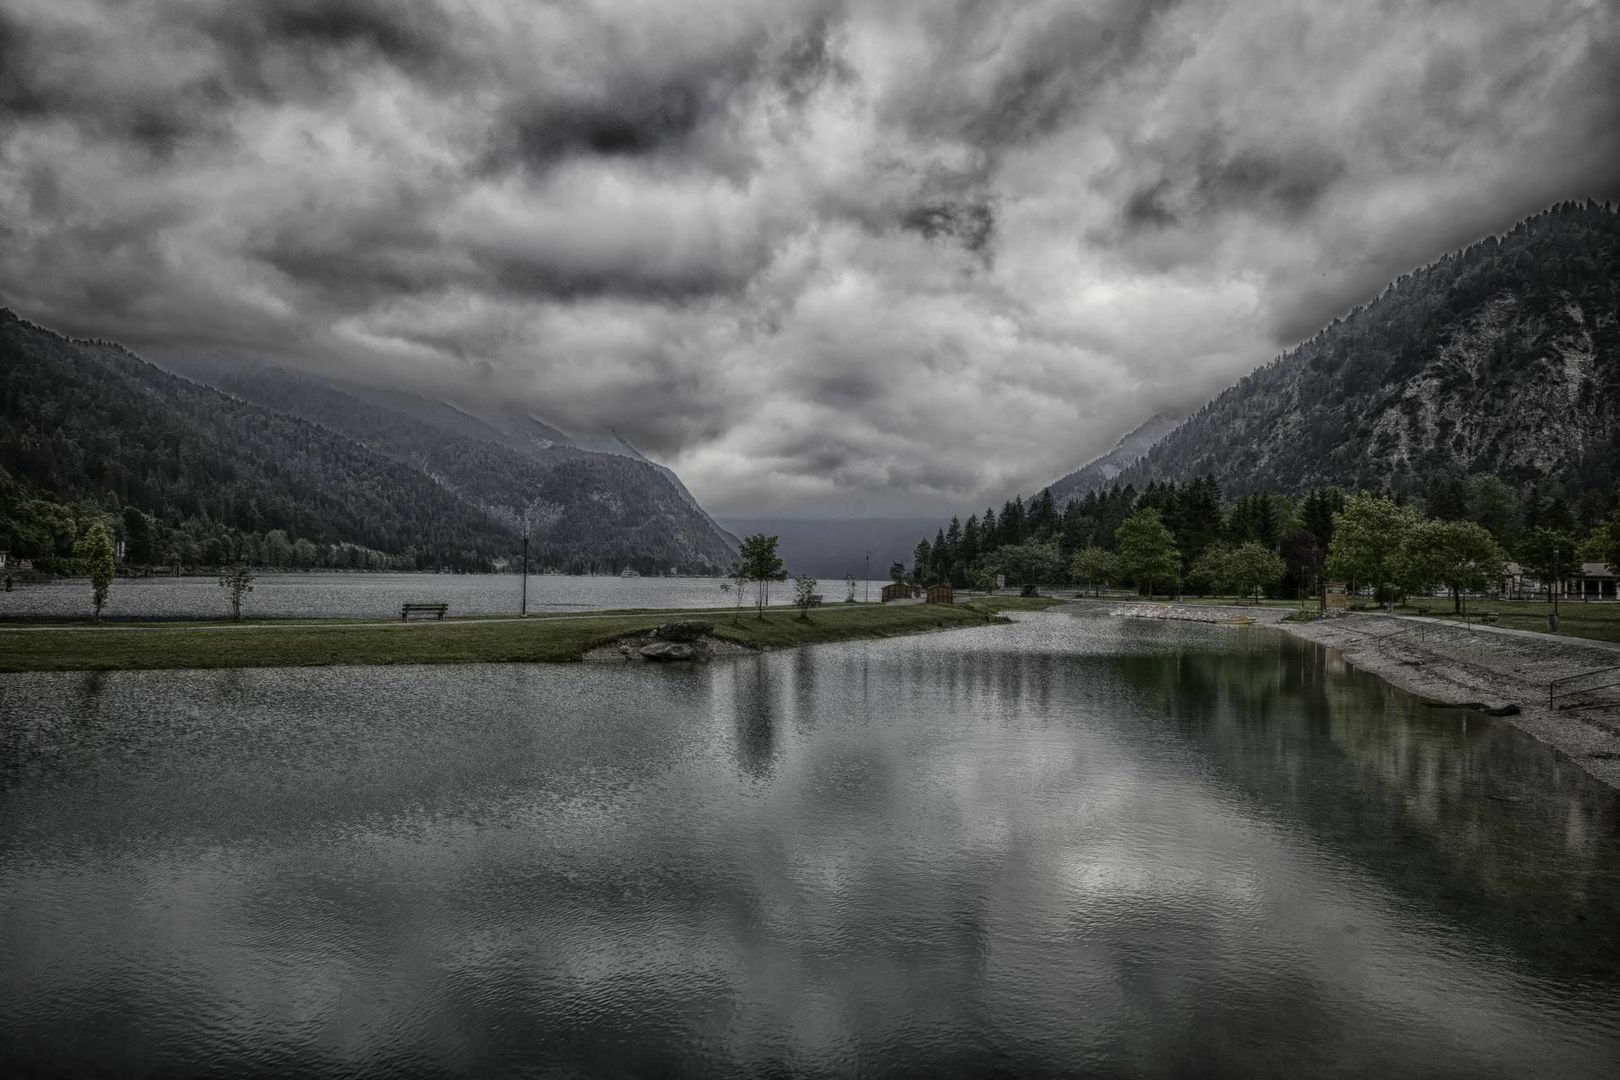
(934, 857)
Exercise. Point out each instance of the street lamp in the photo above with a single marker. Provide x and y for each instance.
(866, 579)
(1552, 616)
(523, 606)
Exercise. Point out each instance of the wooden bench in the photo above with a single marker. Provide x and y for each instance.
(407, 610)
(1423, 610)
(815, 599)
(1488, 616)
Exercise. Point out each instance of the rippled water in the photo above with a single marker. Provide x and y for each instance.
(1073, 846)
(342, 595)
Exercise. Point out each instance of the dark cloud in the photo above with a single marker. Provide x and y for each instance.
(814, 255)
(970, 224)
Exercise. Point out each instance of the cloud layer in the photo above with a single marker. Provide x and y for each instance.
(825, 256)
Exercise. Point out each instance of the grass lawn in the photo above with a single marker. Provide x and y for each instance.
(551, 638)
(1598, 622)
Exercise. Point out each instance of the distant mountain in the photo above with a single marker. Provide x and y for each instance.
(1501, 359)
(1100, 471)
(835, 548)
(90, 421)
(589, 508)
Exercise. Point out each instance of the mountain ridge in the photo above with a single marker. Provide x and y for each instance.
(86, 419)
(1502, 358)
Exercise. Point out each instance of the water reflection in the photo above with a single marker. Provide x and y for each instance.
(1066, 847)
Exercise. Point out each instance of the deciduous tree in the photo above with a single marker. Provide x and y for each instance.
(239, 580)
(1457, 554)
(760, 562)
(96, 551)
(1367, 533)
(1147, 552)
(1251, 568)
(1030, 563)
(1094, 567)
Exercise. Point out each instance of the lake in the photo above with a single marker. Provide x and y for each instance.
(1075, 845)
(361, 595)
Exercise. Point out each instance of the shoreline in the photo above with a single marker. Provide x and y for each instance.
(1451, 664)
(553, 638)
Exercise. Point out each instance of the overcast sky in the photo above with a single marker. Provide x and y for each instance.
(819, 257)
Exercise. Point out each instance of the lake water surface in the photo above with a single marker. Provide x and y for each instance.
(362, 595)
(1072, 846)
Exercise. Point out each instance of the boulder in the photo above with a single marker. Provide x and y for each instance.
(686, 630)
(673, 650)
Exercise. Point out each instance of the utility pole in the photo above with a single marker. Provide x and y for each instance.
(523, 608)
(866, 579)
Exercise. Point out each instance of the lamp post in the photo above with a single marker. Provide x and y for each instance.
(523, 607)
(866, 579)
(1552, 616)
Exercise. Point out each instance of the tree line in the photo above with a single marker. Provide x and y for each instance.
(1173, 537)
(50, 534)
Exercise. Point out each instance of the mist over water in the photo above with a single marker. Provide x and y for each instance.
(1074, 845)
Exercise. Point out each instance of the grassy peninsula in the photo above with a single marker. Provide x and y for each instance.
(538, 639)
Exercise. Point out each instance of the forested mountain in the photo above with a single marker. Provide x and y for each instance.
(1100, 472)
(587, 507)
(185, 470)
(1483, 389)
(1502, 359)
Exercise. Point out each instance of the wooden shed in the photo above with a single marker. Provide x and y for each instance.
(941, 594)
(896, 592)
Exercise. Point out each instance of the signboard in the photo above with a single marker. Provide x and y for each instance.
(1333, 596)
(1001, 581)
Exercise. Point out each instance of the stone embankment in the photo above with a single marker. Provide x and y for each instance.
(1200, 613)
(1498, 671)
(1445, 662)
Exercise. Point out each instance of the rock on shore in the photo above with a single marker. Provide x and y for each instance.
(685, 640)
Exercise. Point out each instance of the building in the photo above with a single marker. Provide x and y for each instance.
(1594, 582)
(941, 594)
(896, 592)
(1590, 581)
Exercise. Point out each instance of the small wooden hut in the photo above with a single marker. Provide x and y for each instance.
(941, 594)
(896, 592)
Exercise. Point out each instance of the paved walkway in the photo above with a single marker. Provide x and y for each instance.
(399, 624)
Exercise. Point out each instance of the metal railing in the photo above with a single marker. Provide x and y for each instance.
(1565, 688)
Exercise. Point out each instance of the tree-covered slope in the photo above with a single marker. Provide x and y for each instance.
(90, 422)
(586, 508)
(1501, 359)
(83, 420)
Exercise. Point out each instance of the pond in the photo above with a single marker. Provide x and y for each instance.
(362, 595)
(1075, 845)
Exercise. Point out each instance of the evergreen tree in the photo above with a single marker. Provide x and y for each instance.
(921, 561)
(1199, 519)
(1043, 517)
(970, 543)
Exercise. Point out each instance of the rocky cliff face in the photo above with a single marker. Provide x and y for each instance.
(1503, 359)
(1100, 471)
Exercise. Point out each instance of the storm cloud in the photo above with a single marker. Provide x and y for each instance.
(830, 256)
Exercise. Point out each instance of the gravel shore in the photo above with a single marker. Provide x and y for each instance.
(1446, 662)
